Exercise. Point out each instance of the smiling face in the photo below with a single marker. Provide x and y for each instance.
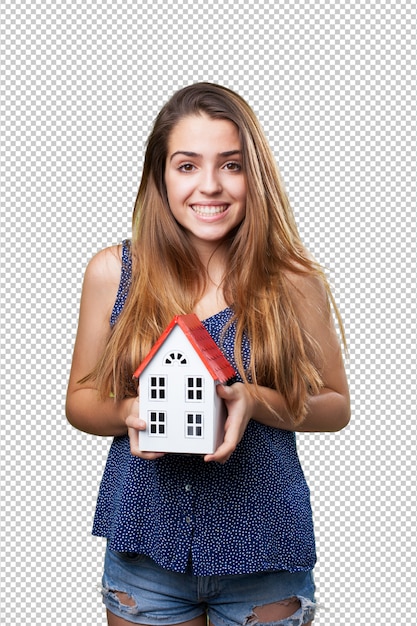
(204, 178)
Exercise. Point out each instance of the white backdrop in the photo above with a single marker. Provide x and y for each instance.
(334, 86)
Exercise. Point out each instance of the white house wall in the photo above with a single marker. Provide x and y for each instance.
(175, 405)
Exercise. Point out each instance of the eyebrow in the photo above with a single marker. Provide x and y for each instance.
(194, 155)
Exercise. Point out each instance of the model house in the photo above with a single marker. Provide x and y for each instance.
(177, 383)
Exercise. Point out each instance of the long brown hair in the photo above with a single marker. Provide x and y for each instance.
(168, 277)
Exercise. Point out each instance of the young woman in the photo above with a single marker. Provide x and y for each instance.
(229, 536)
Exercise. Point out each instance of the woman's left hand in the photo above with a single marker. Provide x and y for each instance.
(239, 406)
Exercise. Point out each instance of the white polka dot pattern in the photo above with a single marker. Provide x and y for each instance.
(251, 514)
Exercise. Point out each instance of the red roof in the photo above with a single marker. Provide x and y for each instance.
(202, 342)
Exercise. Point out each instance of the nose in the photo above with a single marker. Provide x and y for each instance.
(210, 182)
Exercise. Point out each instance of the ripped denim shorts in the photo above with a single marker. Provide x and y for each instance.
(139, 591)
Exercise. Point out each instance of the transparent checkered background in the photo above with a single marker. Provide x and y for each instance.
(334, 86)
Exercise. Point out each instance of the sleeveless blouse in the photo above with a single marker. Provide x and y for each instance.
(248, 515)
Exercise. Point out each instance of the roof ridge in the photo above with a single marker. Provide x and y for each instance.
(202, 342)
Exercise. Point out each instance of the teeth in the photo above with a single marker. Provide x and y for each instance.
(209, 210)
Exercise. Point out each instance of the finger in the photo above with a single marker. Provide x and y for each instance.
(224, 451)
(232, 436)
(224, 392)
(135, 449)
(133, 440)
(222, 454)
(150, 456)
(133, 421)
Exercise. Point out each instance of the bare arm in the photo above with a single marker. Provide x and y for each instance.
(330, 409)
(327, 411)
(84, 410)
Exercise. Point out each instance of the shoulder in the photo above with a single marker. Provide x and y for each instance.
(102, 279)
(307, 286)
(309, 292)
(104, 268)
(308, 283)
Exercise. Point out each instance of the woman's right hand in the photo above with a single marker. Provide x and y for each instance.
(134, 426)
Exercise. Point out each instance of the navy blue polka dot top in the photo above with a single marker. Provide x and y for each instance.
(250, 514)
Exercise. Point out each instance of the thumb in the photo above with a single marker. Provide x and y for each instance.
(224, 392)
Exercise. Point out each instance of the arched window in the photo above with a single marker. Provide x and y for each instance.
(175, 358)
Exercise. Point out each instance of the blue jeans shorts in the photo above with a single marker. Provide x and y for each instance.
(158, 596)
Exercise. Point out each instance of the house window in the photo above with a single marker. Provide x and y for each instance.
(175, 357)
(157, 387)
(194, 388)
(194, 425)
(157, 423)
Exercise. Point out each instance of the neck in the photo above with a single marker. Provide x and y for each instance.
(213, 258)
(215, 263)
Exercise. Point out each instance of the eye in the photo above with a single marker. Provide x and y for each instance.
(186, 167)
(233, 166)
